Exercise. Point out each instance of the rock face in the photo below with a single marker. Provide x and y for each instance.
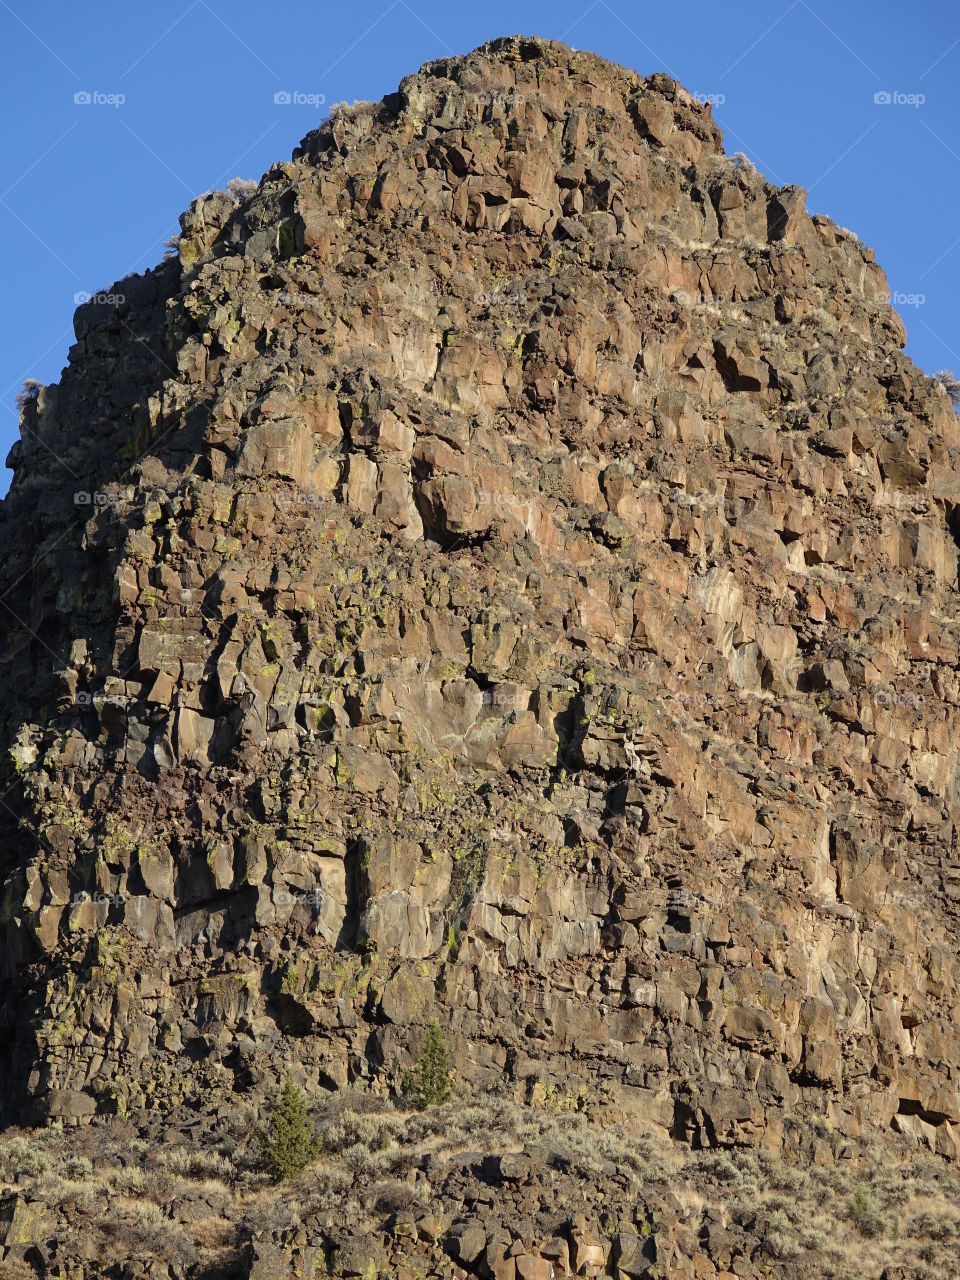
(503, 570)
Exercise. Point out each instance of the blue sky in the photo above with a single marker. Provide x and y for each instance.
(182, 98)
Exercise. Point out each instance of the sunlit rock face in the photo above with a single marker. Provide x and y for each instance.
(501, 571)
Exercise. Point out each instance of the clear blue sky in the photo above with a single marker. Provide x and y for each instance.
(90, 191)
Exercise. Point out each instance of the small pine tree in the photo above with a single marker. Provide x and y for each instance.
(427, 1083)
(290, 1144)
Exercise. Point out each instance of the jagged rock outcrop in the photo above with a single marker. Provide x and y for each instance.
(503, 570)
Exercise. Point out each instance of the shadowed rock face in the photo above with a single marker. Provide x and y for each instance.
(518, 587)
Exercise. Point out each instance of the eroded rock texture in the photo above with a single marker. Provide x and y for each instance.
(518, 587)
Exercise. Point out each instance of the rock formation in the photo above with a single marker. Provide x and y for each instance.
(502, 570)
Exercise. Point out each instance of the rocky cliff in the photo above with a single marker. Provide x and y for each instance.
(502, 570)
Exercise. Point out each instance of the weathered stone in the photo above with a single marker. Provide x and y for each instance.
(283, 448)
(21, 1223)
(465, 1241)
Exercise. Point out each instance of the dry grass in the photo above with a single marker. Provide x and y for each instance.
(848, 1221)
(834, 1220)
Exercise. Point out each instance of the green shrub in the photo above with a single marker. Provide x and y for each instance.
(427, 1083)
(864, 1216)
(290, 1143)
